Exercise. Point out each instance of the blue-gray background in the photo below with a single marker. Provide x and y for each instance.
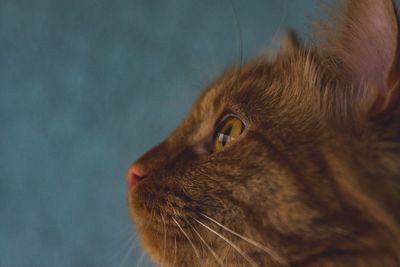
(86, 86)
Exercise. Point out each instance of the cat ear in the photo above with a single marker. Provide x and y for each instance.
(367, 41)
(290, 41)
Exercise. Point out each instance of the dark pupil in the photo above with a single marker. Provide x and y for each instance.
(226, 135)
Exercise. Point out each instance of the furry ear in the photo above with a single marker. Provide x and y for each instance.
(367, 42)
(290, 41)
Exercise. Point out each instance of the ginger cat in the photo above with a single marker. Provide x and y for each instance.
(294, 162)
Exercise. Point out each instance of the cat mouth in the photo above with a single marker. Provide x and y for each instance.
(157, 223)
(168, 243)
(167, 236)
(151, 212)
(163, 233)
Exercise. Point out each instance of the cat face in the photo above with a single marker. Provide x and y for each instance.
(270, 184)
(251, 176)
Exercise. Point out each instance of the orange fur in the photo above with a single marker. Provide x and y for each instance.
(314, 180)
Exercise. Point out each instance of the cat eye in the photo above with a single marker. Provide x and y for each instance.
(226, 132)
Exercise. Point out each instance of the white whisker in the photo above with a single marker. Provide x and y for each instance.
(244, 255)
(190, 241)
(140, 260)
(283, 17)
(116, 255)
(218, 259)
(128, 253)
(269, 251)
(165, 239)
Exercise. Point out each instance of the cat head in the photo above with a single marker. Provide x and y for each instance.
(266, 168)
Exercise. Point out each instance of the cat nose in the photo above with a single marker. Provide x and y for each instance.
(135, 174)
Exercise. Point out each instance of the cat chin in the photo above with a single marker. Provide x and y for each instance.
(134, 212)
(150, 231)
(138, 207)
(167, 251)
(151, 235)
(153, 243)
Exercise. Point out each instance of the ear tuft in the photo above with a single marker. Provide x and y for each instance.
(290, 41)
(365, 41)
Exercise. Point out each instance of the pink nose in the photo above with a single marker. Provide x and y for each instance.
(135, 173)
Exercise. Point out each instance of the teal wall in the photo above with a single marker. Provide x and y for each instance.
(86, 86)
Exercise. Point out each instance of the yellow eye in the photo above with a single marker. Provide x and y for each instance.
(227, 132)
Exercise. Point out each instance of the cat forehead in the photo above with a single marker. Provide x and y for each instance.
(259, 81)
(229, 87)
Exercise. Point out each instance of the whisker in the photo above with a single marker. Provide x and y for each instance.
(218, 259)
(244, 255)
(140, 260)
(128, 253)
(165, 239)
(269, 251)
(282, 20)
(124, 246)
(120, 241)
(190, 241)
(239, 34)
